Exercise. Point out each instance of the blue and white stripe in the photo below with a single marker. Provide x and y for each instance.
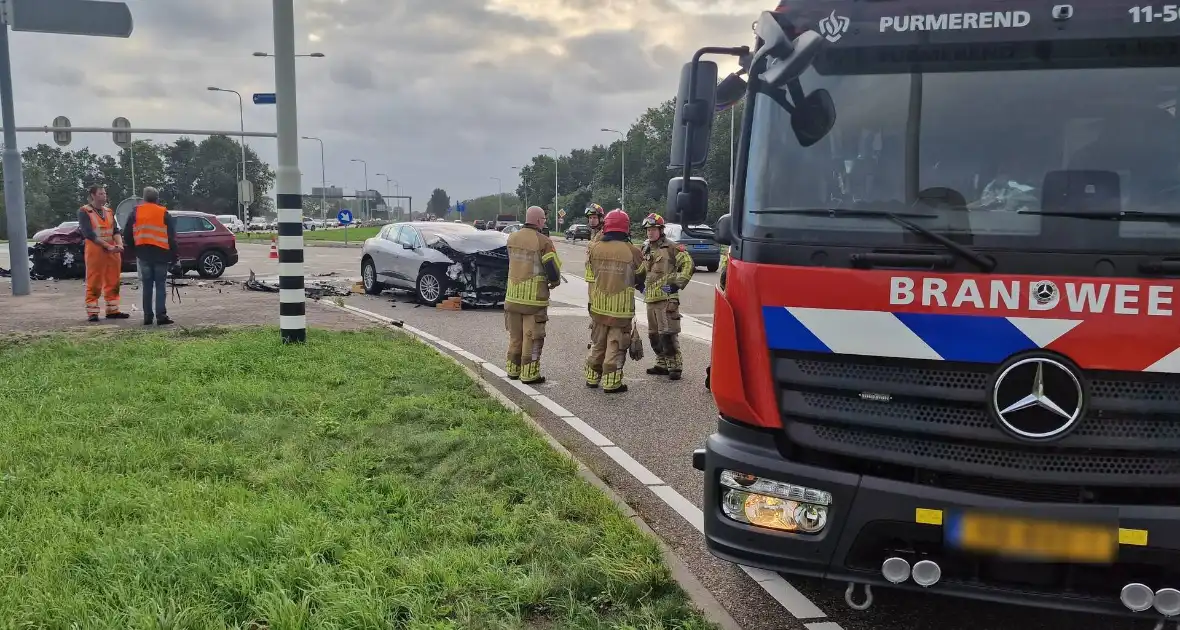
(938, 337)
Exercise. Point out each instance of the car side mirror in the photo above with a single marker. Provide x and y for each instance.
(724, 230)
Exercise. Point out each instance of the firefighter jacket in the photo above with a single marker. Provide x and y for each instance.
(616, 265)
(665, 264)
(533, 269)
(595, 236)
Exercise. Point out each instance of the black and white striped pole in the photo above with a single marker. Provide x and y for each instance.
(289, 196)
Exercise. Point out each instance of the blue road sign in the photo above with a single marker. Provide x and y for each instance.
(461, 207)
(264, 99)
(344, 217)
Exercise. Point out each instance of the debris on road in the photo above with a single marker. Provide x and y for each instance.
(450, 304)
(314, 291)
(4, 273)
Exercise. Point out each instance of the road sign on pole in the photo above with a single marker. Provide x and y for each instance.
(62, 138)
(344, 216)
(122, 138)
(264, 99)
(246, 191)
(71, 17)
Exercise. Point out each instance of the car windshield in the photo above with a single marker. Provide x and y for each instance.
(989, 153)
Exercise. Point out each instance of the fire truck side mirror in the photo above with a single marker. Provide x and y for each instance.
(789, 67)
(813, 118)
(694, 113)
(688, 205)
(723, 230)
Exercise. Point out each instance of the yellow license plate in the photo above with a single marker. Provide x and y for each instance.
(1035, 539)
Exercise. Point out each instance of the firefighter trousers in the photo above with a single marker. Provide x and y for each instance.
(608, 353)
(663, 332)
(526, 338)
(102, 278)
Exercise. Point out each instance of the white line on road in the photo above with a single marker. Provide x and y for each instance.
(795, 603)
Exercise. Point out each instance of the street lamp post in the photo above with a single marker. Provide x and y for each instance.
(526, 188)
(501, 197)
(623, 185)
(555, 220)
(323, 180)
(388, 179)
(366, 200)
(242, 120)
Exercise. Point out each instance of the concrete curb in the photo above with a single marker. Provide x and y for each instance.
(697, 593)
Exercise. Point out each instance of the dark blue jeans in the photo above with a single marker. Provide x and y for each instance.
(153, 278)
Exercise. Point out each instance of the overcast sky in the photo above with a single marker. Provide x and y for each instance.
(431, 92)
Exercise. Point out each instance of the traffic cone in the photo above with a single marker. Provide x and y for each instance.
(274, 249)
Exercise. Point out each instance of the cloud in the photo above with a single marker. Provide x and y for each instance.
(445, 93)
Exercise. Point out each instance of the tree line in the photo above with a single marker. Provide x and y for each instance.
(190, 175)
(595, 174)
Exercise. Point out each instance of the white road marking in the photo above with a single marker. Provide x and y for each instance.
(795, 603)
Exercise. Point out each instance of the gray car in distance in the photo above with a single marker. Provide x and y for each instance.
(437, 260)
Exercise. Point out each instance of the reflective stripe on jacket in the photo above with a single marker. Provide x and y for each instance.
(615, 263)
(150, 227)
(533, 267)
(665, 263)
(102, 222)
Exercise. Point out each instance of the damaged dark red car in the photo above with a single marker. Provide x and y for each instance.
(206, 246)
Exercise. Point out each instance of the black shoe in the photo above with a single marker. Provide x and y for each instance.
(118, 316)
(674, 375)
(92, 318)
(657, 371)
(148, 320)
(164, 321)
(618, 390)
(536, 381)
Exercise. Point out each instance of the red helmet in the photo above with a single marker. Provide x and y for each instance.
(653, 220)
(616, 221)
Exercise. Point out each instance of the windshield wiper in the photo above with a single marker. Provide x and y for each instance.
(1120, 215)
(979, 260)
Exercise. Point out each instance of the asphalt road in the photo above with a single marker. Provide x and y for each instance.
(659, 423)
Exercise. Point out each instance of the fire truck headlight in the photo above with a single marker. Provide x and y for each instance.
(774, 504)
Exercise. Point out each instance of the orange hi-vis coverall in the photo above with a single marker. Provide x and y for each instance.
(102, 267)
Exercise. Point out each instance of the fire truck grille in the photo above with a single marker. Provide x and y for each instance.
(929, 422)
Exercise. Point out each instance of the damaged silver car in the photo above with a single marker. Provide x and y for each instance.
(437, 261)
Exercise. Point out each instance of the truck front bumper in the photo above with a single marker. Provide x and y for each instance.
(872, 519)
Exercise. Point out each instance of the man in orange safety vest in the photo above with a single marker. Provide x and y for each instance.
(103, 254)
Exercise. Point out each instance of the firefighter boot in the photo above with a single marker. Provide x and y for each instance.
(593, 377)
(513, 370)
(530, 373)
(612, 382)
(674, 361)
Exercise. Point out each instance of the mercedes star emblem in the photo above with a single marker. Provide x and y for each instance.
(1038, 398)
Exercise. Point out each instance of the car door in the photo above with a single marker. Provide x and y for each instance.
(412, 254)
(193, 235)
(384, 253)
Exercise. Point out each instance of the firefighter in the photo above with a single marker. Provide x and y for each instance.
(594, 214)
(616, 264)
(668, 268)
(103, 254)
(533, 269)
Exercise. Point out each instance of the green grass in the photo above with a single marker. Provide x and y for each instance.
(216, 479)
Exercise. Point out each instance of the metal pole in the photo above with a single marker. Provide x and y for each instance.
(323, 186)
(14, 181)
(145, 131)
(133, 192)
(289, 197)
(368, 209)
(242, 184)
(500, 185)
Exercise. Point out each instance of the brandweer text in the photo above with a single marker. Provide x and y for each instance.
(1034, 295)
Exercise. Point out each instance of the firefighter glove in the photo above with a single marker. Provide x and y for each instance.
(671, 289)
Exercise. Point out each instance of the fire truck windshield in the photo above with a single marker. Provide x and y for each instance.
(998, 155)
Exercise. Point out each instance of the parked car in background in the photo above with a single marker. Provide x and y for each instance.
(703, 249)
(578, 231)
(504, 226)
(205, 245)
(480, 224)
(232, 222)
(436, 261)
(509, 229)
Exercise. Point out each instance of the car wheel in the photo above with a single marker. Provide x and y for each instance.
(211, 264)
(712, 267)
(369, 278)
(431, 286)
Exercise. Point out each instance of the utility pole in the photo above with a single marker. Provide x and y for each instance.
(289, 197)
(501, 196)
(323, 181)
(555, 219)
(242, 123)
(623, 181)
